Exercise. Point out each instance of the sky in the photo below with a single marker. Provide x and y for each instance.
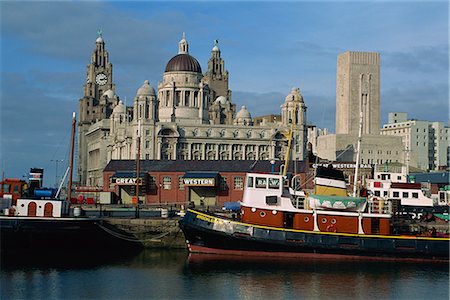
(268, 48)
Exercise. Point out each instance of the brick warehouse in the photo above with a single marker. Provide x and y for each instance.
(199, 183)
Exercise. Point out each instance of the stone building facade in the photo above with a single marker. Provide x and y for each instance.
(189, 117)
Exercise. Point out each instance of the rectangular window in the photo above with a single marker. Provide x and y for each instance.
(274, 183)
(180, 183)
(250, 181)
(396, 194)
(152, 183)
(147, 132)
(147, 144)
(261, 182)
(238, 183)
(167, 183)
(415, 195)
(377, 193)
(223, 183)
(405, 194)
(385, 193)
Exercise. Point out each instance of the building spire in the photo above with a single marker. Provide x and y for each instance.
(183, 46)
(100, 37)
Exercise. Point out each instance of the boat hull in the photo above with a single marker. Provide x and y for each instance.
(211, 234)
(19, 234)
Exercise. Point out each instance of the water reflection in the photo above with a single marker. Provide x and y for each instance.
(318, 278)
(154, 274)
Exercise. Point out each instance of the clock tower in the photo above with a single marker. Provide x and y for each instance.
(98, 101)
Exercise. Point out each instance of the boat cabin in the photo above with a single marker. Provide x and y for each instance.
(268, 202)
(42, 208)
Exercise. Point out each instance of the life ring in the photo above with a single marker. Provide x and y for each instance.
(331, 228)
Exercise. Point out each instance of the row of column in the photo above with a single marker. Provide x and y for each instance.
(270, 153)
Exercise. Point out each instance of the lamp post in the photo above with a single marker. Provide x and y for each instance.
(56, 170)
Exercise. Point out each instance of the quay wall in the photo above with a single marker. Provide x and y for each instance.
(154, 232)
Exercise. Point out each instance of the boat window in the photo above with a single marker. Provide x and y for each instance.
(405, 195)
(385, 193)
(261, 182)
(274, 183)
(249, 181)
(377, 193)
(415, 195)
(396, 194)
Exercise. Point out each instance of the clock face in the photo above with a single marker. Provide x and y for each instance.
(101, 79)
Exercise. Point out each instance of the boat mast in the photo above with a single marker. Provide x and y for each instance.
(72, 144)
(358, 151)
(288, 150)
(138, 158)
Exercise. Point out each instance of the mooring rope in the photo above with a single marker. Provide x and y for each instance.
(123, 237)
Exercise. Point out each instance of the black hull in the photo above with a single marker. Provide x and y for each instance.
(211, 234)
(61, 234)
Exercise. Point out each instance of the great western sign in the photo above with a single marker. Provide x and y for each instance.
(125, 180)
(199, 181)
(344, 165)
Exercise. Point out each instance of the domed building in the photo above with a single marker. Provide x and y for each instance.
(243, 117)
(190, 116)
(183, 95)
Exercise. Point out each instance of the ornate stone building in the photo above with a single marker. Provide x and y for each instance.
(190, 117)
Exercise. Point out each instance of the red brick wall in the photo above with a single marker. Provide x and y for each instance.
(175, 195)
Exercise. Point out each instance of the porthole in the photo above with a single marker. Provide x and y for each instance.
(262, 214)
(333, 221)
(306, 219)
(324, 220)
(274, 212)
(23, 205)
(253, 209)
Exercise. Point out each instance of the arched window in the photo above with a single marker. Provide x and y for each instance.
(48, 210)
(32, 208)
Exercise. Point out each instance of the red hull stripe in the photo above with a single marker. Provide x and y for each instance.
(207, 250)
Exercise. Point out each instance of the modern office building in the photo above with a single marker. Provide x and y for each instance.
(426, 144)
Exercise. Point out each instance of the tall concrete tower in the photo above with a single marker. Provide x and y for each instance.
(358, 84)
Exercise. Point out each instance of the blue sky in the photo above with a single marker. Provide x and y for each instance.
(268, 48)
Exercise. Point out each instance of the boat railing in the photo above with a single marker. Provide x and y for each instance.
(298, 202)
(379, 206)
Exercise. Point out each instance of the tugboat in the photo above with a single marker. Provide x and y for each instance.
(44, 224)
(276, 221)
(272, 224)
